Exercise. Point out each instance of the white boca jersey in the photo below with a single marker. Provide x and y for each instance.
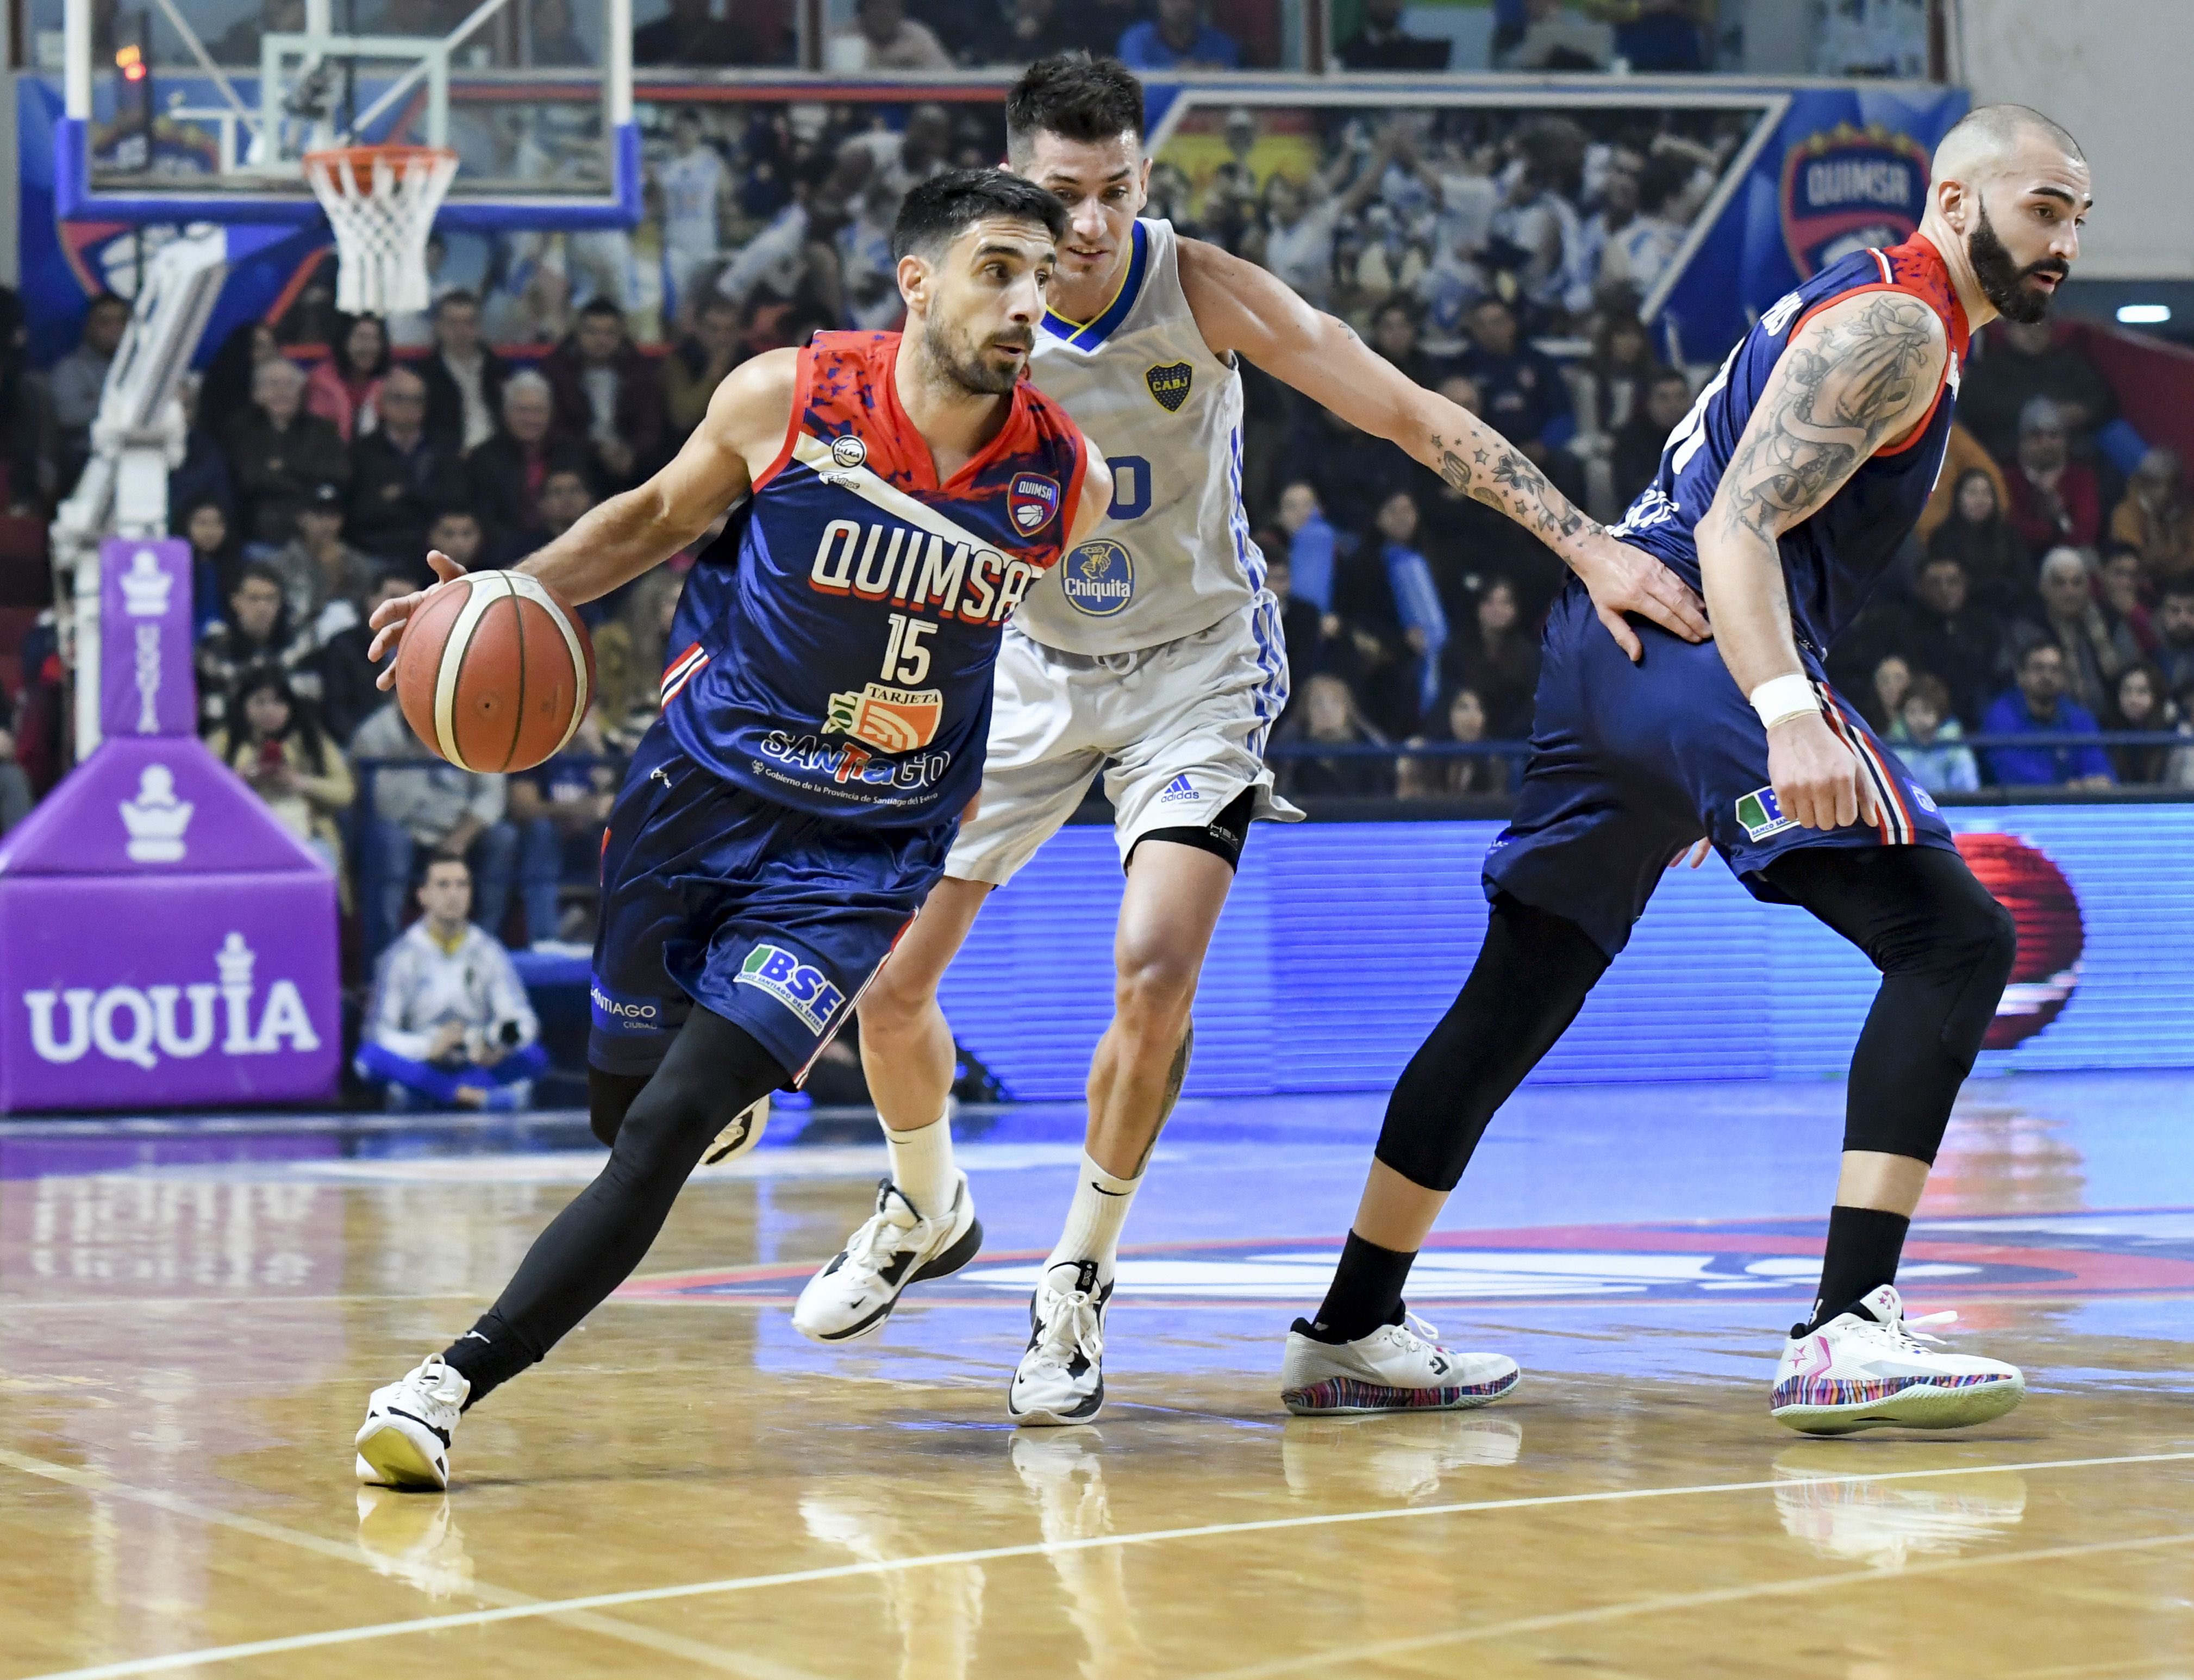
(1172, 555)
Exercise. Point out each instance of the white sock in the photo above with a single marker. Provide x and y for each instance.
(921, 1165)
(1094, 1218)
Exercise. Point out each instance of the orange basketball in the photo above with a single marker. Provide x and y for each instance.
(494, 672)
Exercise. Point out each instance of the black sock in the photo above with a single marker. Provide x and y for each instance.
(1864, 1245)
(1366, 1293)
(487, 1356)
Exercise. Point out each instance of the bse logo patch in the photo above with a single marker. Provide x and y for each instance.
(800, 986)
(1098, 577)
(1760, 813)
(1033, 499)
(848, 451)
(1169, 384)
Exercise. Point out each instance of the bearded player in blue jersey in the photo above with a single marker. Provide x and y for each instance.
(1785, 495)
(895, 495)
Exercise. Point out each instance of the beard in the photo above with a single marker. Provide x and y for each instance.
(961, 360)
(2003, 282)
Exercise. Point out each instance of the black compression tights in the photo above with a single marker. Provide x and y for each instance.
(1943, 944)
(660, 1126)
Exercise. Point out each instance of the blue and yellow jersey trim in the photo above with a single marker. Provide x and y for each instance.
(1090, 334)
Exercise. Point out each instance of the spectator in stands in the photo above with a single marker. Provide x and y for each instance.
(1382, 43)
(2152, 518)
(509, 469)
(1622, 366)
(1660, 37)
(2095, 650)
(2138, 705)
(75, 382)
(884, 37)
(15, 795)
(555, 40)
(1980, 537)
(1462, 719)
(456, 532)
(2175, 636)
(227, 385)
(279, 455)
(559, 810)
(1640, 251)
(323, 577)
(696, 187)
(1349, 467)
(1891, 680)
(346, 675)
(421, 804)
(202, 475)
(1946, 634)
(1310, 545)
(1399, 601)
(399, 475)
(345, 390)
(1635, 458)
(449, 1026)
(1928, 737)
(2054, 499)
(1028, 30)
(1179, 37)
(1497, 656)
(2122, 584)
(464, 377)
(273, 741)
(1395, 336)
(1300, 220)
(697, 364)
(257, 633)
(631, 652)
(1526, 398)
(2019, 362)
(693, 35)
(2039, 705)
(606, 392)
(1556, 38)
(566, 496)
(215, 556)
(1329, 717)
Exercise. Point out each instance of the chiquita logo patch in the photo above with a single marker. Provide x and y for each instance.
(1169, 384)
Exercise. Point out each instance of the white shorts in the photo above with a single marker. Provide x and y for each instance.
(1178, 730)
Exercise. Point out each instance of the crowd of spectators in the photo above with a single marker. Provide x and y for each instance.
(1500, 260)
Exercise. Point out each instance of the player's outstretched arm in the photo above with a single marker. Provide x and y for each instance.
(624, 536)
(1241, 307)
(1096, 493)
(1864, 370)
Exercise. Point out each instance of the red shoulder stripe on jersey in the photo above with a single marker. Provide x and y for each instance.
(802, 382)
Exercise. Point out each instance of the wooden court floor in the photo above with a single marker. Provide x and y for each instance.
(687, 1488)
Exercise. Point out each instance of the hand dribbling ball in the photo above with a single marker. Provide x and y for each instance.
(495, 672)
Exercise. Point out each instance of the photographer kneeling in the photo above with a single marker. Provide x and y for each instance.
(449, 1026)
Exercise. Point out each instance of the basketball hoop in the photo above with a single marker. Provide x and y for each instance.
(381, 201)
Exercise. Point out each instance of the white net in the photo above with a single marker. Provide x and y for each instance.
(381, 201)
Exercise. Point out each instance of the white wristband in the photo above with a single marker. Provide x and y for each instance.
(1780, 698)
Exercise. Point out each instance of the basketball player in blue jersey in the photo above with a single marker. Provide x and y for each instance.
(1786, 493)
(1153, 656)
(895, 495)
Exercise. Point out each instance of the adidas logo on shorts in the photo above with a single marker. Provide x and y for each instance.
(1178, 790)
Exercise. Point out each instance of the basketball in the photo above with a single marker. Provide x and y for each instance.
(494, 672)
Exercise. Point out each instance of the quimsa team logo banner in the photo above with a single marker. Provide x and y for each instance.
(1848, 187)
(1033, 498)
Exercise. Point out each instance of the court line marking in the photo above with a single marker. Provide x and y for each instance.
(1346, 1655)
(670, 1644)
(603, 1601)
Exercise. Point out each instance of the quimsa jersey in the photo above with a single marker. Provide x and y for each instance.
(838, 638)
(1172, 555)
(1831, 561)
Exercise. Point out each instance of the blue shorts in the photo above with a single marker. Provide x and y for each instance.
(773, 918)
(1630, 764)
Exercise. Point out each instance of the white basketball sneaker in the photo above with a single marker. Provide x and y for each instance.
(1398, 1368)
(405, 1439)
(1061, 1377)
(1870, 1366)
(856, 1292)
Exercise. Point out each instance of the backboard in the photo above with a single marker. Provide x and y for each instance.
(182, 110)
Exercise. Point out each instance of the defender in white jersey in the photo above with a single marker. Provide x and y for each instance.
(1152, 656)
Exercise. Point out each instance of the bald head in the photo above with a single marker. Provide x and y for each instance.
(1990, 139)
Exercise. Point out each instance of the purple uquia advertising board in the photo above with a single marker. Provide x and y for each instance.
(146, 686)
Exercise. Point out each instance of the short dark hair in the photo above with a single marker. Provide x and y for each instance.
(942, 208)
(436, 860)
(600, 305)
(441, 514)
(567, 472)
(108, 299)
(1075, 96)
(1664, 177)
(256, 572)
(2038, 644)
(2181, 587)
(455, 294)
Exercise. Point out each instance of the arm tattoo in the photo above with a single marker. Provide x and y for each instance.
(1487, 468)
(1831, 403)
